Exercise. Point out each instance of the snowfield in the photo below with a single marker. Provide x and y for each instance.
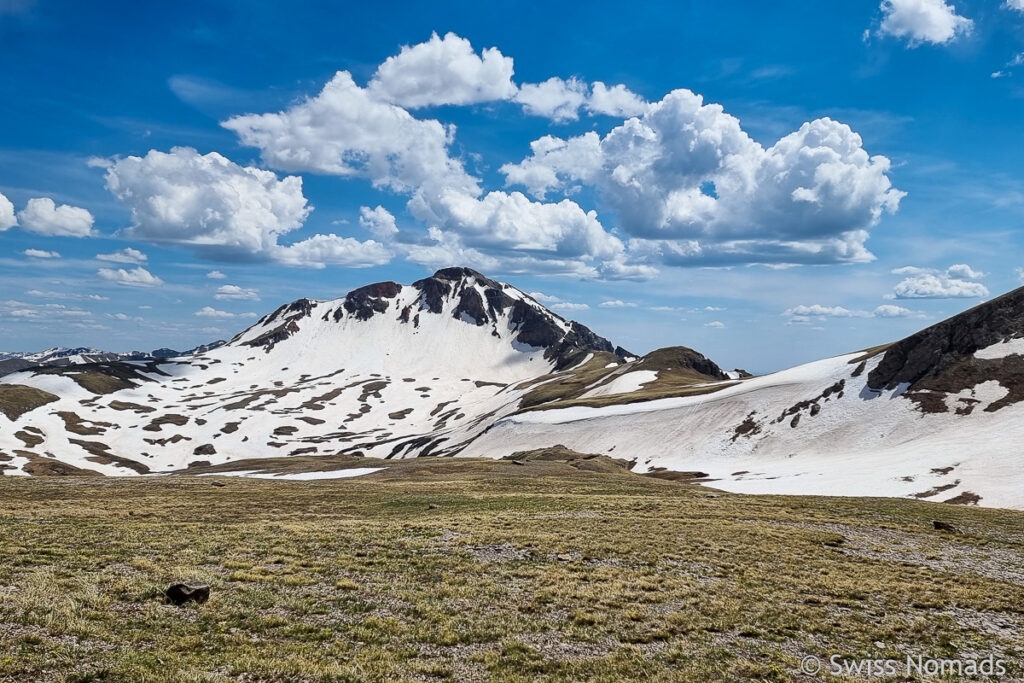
(864, 443)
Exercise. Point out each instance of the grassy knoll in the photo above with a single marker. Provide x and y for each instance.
(488, 571)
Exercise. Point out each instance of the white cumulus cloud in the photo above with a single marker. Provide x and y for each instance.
(206, 200)
(211, 312)
(43, 217)
(617, 303)
(216, 275)
(962, 270)
(890, 311)
(7, 218)
(127, 255)
(819, 311)
(236, 293)
(617, 100)
(957, 281)
(938, 286)
(319, 251)
(379, 221)
(219, 208)
(569, 306)
(923, 21)
(555, 98)
(443, 71)
(136, 277)
(686, 184)
(40, 253)
(692, 187)
(346, 131)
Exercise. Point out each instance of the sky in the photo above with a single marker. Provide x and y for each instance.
(768, 183)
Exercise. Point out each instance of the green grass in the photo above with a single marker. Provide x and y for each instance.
(479, 570)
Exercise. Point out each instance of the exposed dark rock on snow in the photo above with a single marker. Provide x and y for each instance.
(939, 360)
(362, 303)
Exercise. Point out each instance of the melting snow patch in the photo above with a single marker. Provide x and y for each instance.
(1001, 350)
(624, 384)
(298, 476)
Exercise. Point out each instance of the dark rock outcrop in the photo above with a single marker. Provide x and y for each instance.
(434, 290)
(471, 305)
(287, 317)
(939, 360)
(180, 593)
(365, 301)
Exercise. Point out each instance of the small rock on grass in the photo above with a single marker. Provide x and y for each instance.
(944, 526)
(180, 593)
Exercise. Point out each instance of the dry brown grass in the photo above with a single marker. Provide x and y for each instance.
(488, 570)
(17, 399)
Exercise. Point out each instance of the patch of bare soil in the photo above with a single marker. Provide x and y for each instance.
(76, 425)
(100, 453)
(126, 405)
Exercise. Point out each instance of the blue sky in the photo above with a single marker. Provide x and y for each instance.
(766, 182)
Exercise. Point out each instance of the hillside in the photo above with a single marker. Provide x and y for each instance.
(936, 416)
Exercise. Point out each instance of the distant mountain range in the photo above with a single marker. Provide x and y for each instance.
(458, 364)
(12, 361)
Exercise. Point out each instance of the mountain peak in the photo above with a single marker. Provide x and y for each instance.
(445, 306)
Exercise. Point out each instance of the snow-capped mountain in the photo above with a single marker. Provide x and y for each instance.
(459, 364)
(386, 371)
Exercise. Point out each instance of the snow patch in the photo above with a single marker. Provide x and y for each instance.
(624, 384)
(1010, 347)
(299, 476)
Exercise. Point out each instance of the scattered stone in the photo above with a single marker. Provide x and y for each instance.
(180, 593)
(564, 558)
(945, 526)
(836, 541)
(433, 506)
(217, 483)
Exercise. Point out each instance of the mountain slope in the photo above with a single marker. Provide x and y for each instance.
(937, 416)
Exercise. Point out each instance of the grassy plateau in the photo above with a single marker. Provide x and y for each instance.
(471, 570)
